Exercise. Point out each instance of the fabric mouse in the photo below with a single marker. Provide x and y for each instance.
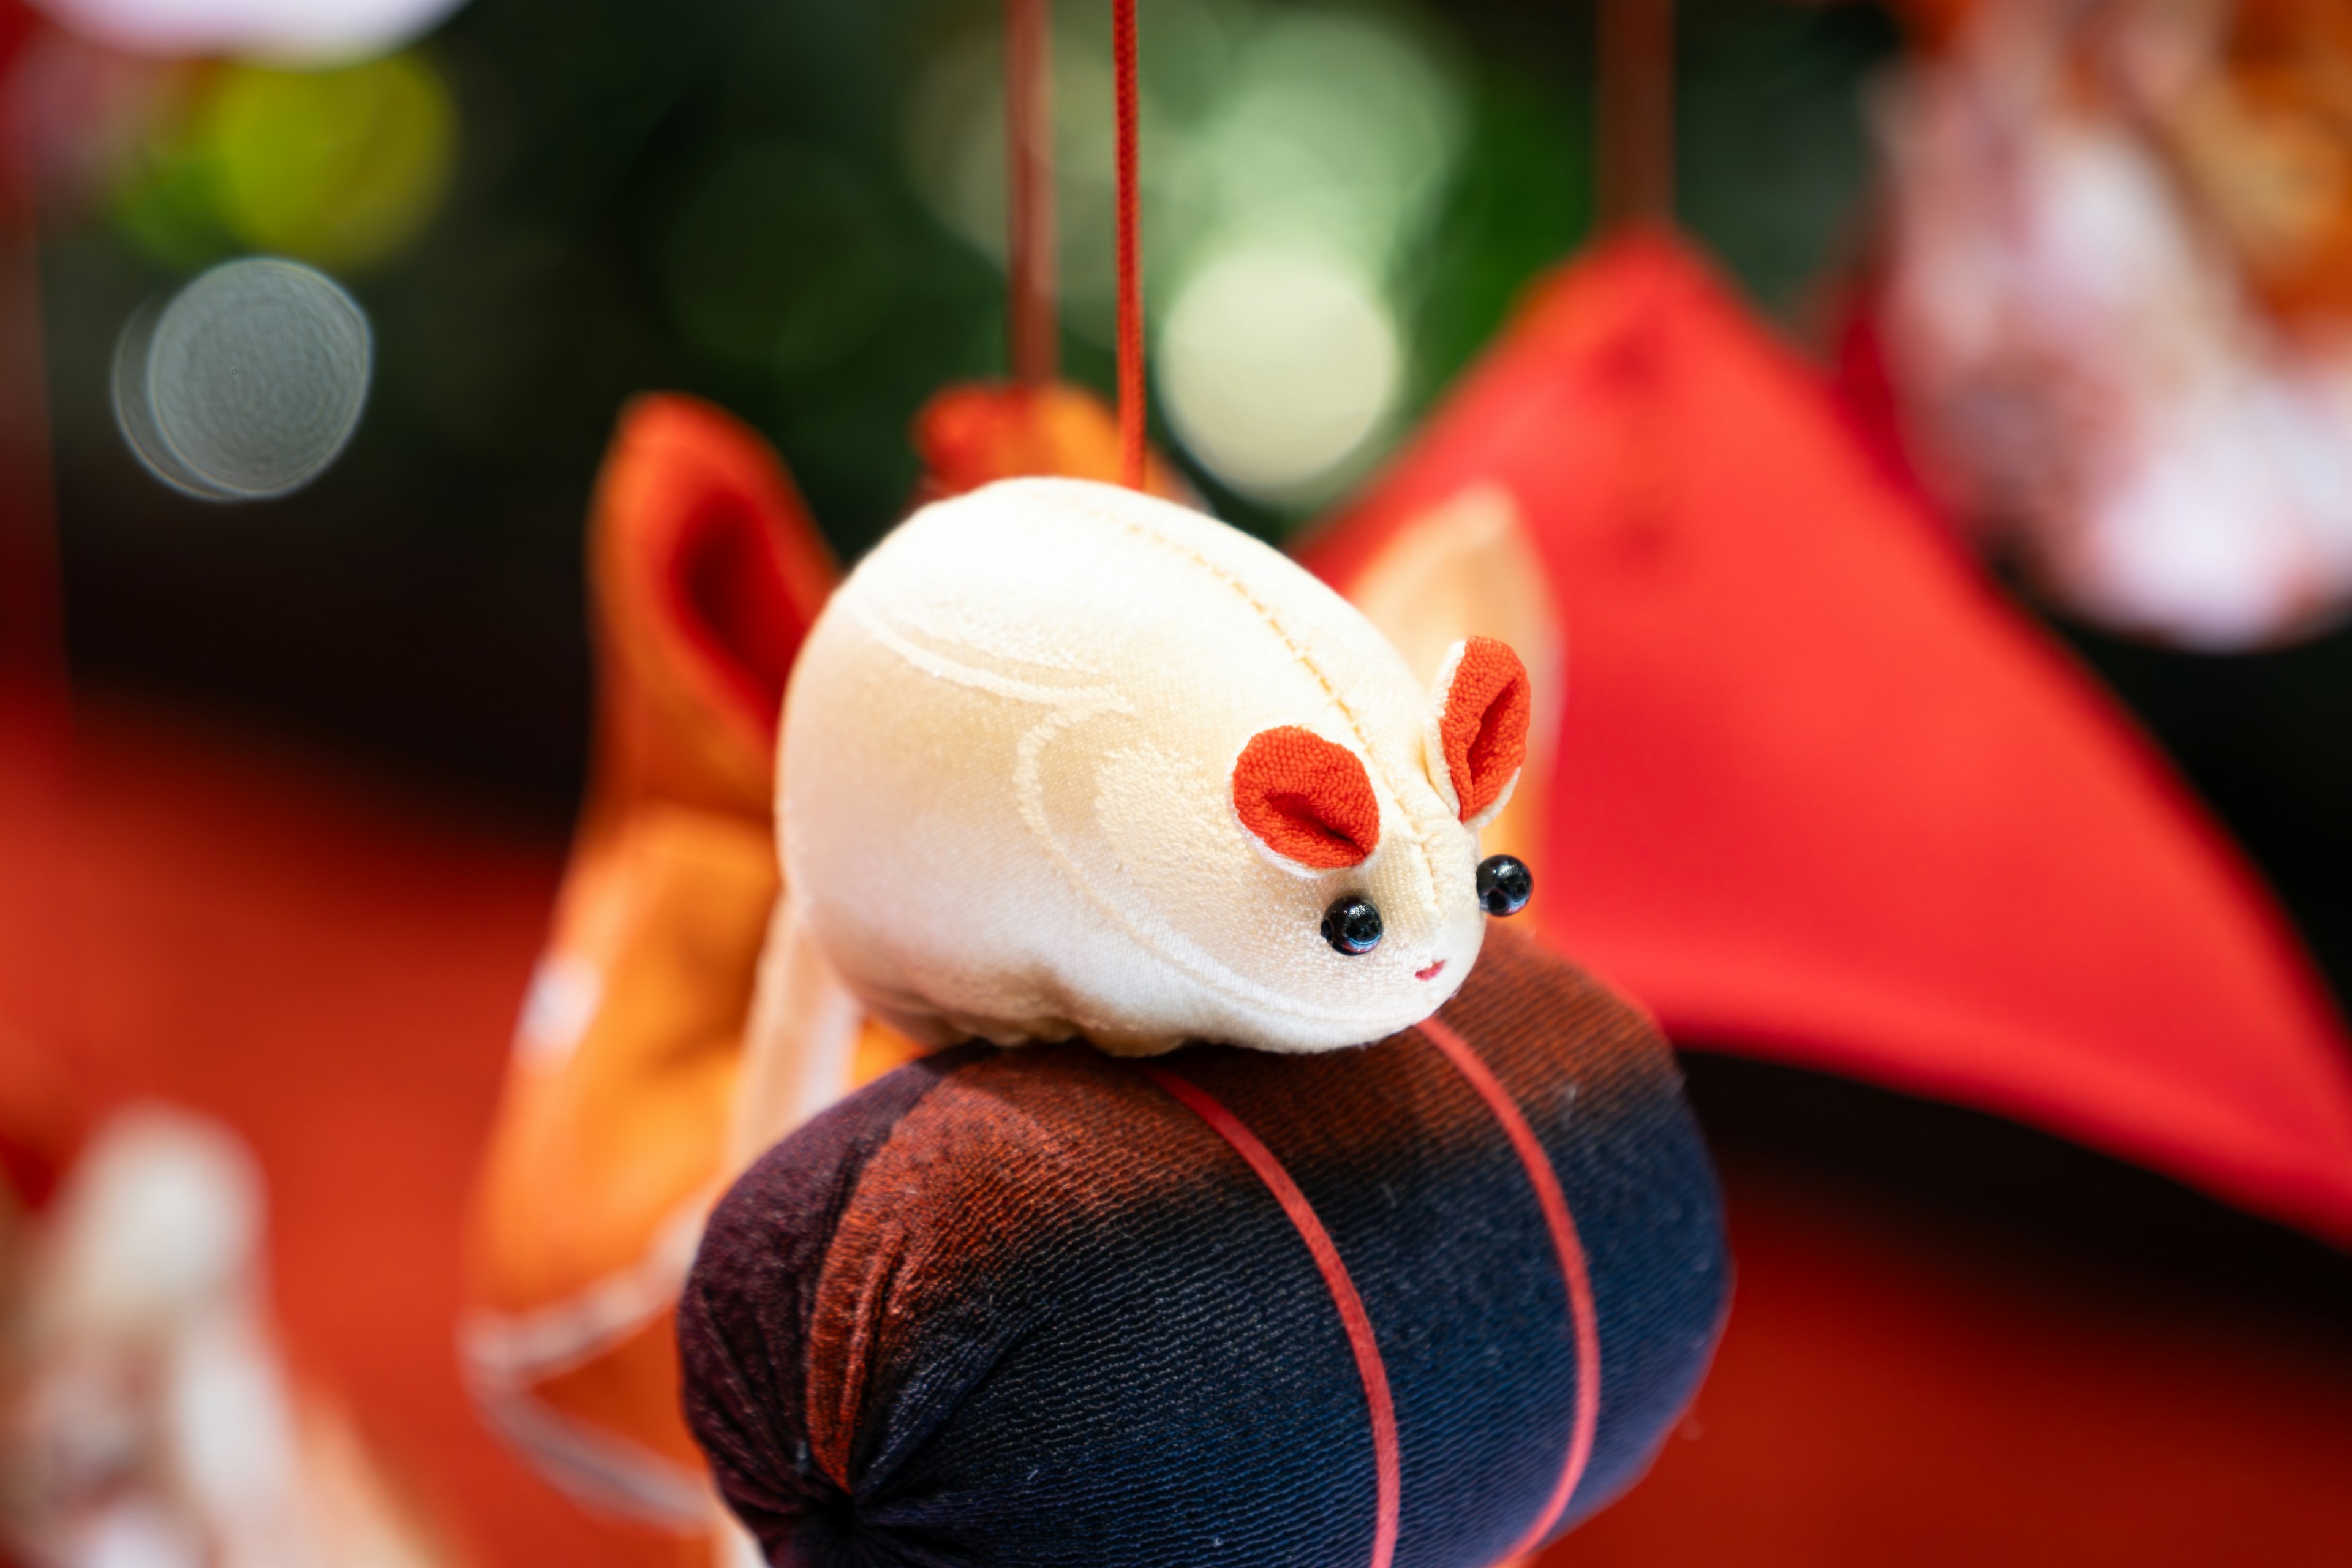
(1066, 763)
(1065, 760)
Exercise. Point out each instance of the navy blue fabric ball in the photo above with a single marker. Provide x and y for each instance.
(1042, 1306)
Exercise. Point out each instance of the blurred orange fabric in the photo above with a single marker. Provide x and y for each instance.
(976, 433)
(706, 571)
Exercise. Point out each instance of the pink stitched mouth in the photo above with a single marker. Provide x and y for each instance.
(1431, 972)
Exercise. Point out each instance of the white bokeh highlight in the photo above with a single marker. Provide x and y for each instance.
(248, 383)
(1277, 367)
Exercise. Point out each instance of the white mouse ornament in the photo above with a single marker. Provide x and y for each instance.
(1062, 760)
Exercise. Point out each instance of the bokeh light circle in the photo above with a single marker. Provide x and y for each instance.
(339, 168)
(1337, 128)
(1277, 367)
(248, 383)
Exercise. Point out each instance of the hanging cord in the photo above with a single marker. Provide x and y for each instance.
(1130, 256)
(1036, 329)
(1637, 112)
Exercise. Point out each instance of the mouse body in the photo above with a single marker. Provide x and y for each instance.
(1061, 759)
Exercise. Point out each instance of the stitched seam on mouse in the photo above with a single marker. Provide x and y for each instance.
(1274, 624)
(1066, 708)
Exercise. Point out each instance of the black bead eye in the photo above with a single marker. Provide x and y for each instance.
(1504, 884)
(1353, 926)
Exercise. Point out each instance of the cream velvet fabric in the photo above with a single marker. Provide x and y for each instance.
(1007, 808)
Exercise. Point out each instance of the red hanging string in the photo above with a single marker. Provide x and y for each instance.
(1379, 1404)
(1130, 258)
(1636, 160)
(1569, 1248)
(1036, 330)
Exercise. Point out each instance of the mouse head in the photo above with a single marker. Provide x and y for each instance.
(1061, 759)
(1310, 804)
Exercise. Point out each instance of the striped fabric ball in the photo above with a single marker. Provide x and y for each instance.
(1424, 1304)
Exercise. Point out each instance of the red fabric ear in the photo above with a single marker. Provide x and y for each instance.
(1307, 799)
(1483, 728)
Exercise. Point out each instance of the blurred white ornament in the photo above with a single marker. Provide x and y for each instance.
(159, 1223)
(2083, 364)
(287, 32)
(154, 1423)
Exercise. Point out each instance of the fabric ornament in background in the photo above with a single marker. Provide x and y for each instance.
(612, 1136)
(975, 433)
(705, 570)
(2115, 307)
(151, 1415)
(293, 32)
(1817, 793)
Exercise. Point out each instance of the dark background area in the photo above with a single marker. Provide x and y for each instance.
(420, 606)
(2012, 1189)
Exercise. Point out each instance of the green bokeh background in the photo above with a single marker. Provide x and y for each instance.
(642, 190)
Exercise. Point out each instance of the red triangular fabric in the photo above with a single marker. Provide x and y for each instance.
(1822, 796)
